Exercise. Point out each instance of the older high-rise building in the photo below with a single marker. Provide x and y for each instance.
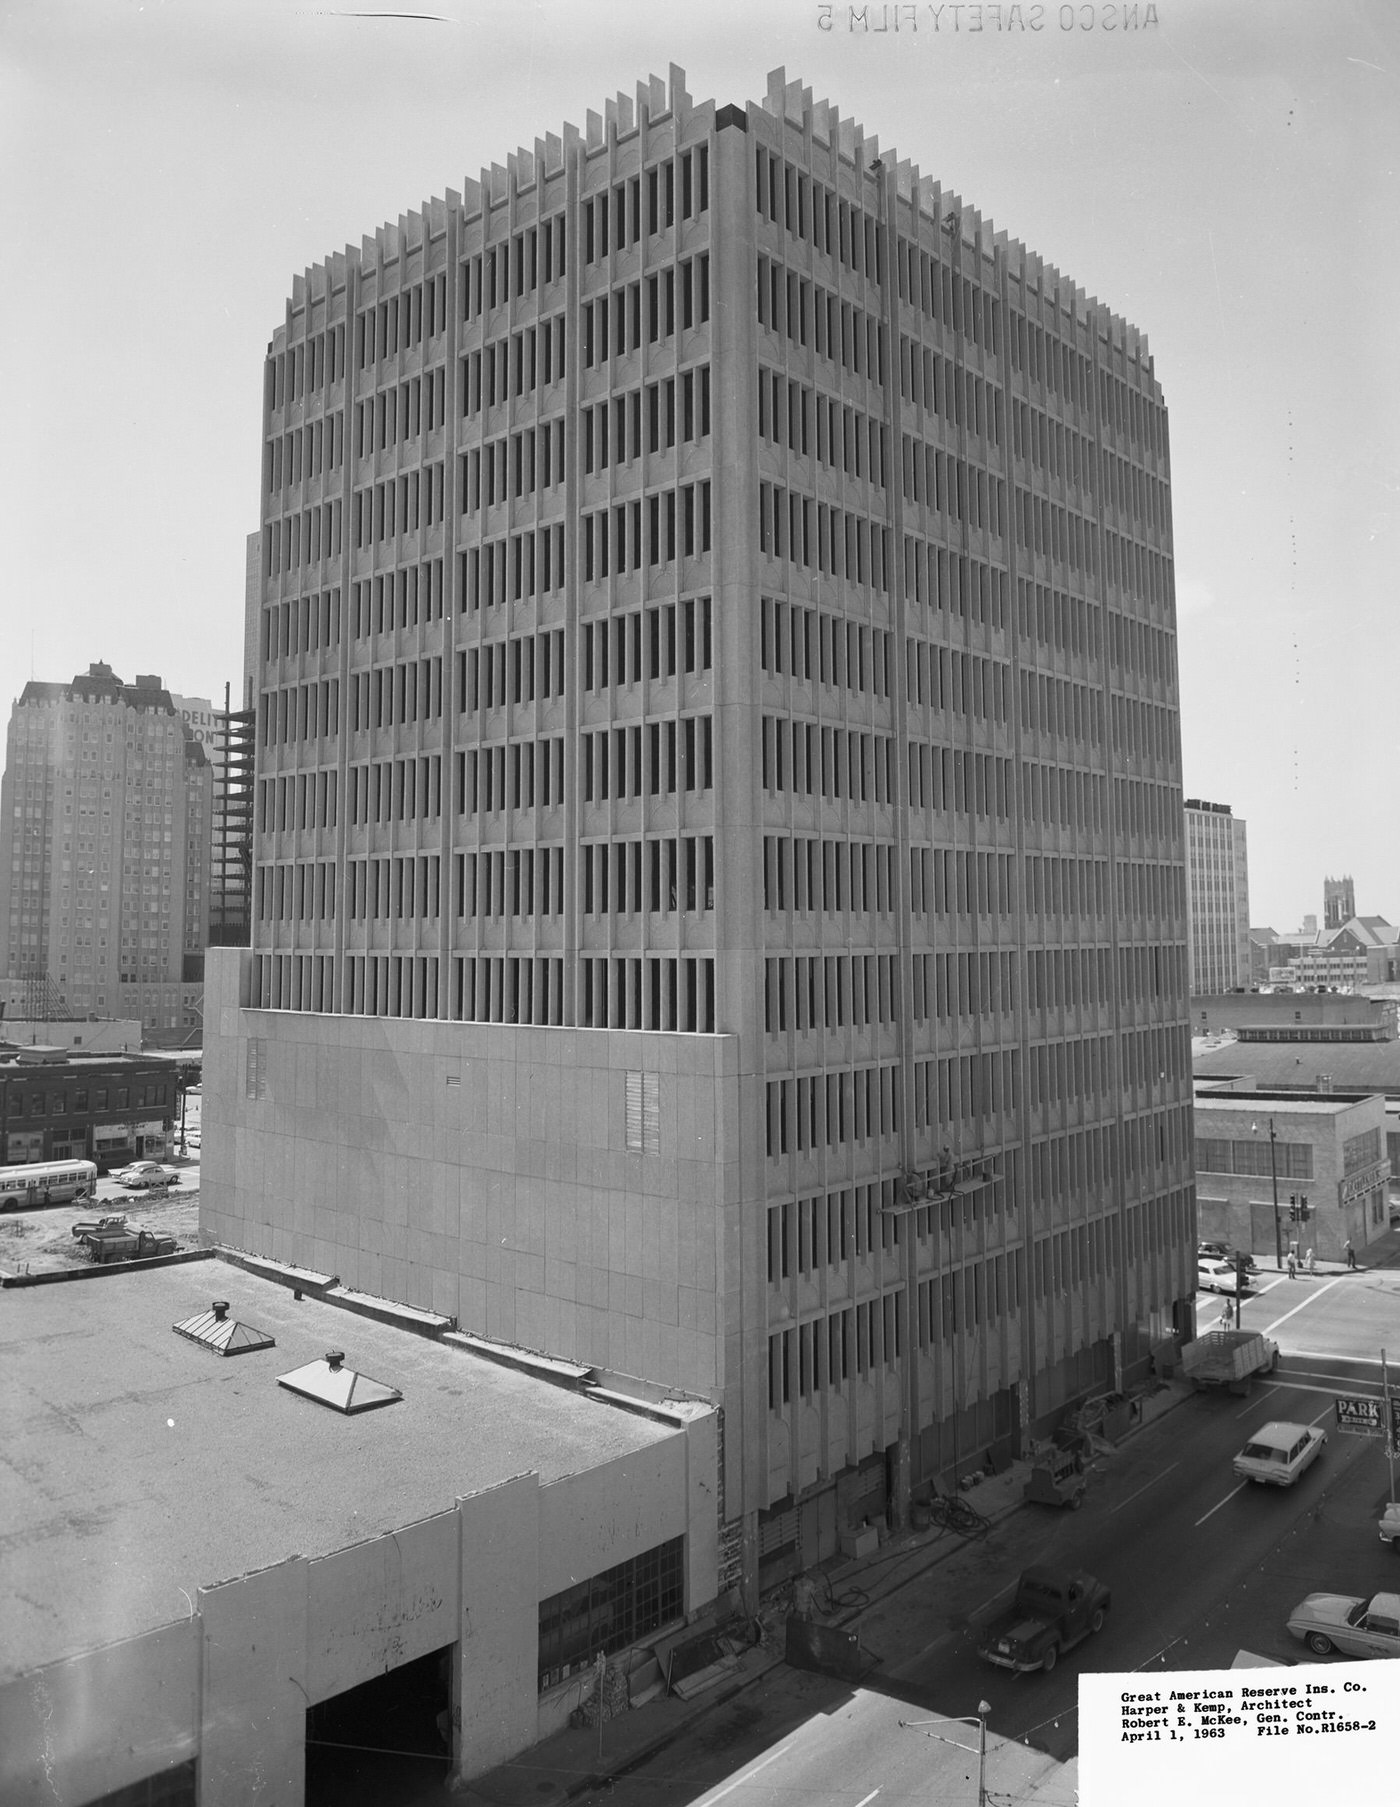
(719, 902)
(1217, 897)
(104, 852)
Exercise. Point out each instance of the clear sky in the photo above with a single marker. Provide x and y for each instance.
(1224, 175)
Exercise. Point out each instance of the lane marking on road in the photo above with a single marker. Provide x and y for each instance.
(868, 1799)
(1328, 1355)
(1340, 1385)
(1143, 1489)
(991, 1601)
(748, 1774)
(1312, 1422)
(944, 1637)
(1219, 1503)
(1269, 1329)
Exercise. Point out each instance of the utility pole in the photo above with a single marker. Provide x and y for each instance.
(1273, 1179)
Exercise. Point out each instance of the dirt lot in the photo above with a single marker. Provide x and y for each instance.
(37, 1241)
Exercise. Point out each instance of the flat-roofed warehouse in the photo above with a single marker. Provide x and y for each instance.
(200, 1561)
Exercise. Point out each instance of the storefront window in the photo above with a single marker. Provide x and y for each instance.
(611, 1611)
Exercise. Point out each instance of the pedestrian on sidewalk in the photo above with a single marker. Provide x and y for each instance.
(1292, 1265)
(1227, 1315)
(1350, 1254)
(1310, 1262)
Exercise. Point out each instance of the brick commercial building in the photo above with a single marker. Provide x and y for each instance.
(60, 1106)
(719, 891)
(1322, 1157)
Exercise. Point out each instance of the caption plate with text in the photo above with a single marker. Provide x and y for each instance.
(1297, 1733)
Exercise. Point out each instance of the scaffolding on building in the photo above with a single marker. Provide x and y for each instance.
(232, 849)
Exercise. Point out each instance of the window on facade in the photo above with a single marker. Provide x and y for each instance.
(610, 1611)
(1361, 1151)
(1290, 1160)
(644, 1113)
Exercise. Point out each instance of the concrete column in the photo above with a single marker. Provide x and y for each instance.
(702, 1510)
(253, 1743)
(496, 1675)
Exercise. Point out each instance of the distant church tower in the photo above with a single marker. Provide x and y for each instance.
(1338, 902)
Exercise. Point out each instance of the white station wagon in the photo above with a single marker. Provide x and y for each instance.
(1278, 1453)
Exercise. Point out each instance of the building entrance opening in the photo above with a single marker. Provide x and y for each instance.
(385, 1740)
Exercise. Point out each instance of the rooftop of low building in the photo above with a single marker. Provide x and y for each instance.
(1279, 1102)
(1284, 1067)
(140, 1466)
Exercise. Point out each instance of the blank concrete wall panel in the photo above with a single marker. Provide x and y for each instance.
(380, 1604)
(76, 1730)
(253, 1744)
(498, 1626)
(591, 1522)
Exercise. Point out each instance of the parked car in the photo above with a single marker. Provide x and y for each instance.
(1214, 1276)
(1221, 1251)
(94, 1226)
(1279, 1452)
(1053, 1609)
(141, 1174)
(1327, 1622)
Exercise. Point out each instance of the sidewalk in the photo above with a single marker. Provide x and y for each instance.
(1381, 1251)
(569, 1763)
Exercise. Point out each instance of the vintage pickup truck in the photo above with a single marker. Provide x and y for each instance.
(1052, 1611)
(126, 1244)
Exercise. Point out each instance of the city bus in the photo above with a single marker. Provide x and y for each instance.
(46, 1183)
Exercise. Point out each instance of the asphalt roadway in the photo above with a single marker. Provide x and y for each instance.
(1201, 1567)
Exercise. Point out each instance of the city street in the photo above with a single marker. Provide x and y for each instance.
(1324, 1323)
(1201, 1566)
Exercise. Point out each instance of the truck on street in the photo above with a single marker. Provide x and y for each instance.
(1228, 1358)
(1053, 1609)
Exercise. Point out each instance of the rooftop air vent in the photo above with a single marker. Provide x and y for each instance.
(216, 1330)
(330, 1382)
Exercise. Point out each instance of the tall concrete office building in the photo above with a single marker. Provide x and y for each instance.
(719, 897)
(1217, 897)
(104, 853)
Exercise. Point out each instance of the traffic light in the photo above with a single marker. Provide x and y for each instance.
(1293, 1207)
(1304, 1210)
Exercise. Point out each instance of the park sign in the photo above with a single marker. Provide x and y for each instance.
(1362, 1416)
